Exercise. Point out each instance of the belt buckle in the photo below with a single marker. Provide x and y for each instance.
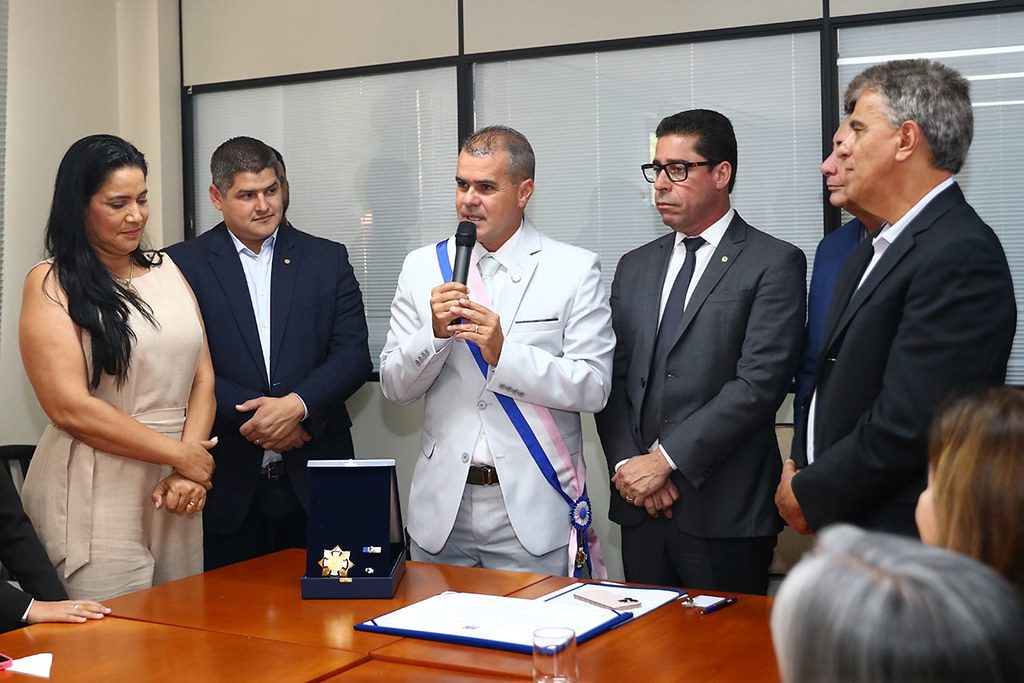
(272, 470)
(489, 475)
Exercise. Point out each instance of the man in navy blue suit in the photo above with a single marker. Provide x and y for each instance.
(285, 322)
(829, 259)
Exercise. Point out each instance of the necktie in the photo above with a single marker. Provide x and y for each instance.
(650, 414)
(488, 266)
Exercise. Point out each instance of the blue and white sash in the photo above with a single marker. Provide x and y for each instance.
(583, 541)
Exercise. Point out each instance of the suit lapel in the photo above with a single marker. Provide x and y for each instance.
(844, 289)
(228, 270)
(520, 272)
(723, 258)
(892, 256)
(651, 286)
(857, 296)
(283, 272)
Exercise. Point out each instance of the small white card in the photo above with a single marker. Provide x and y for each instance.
(33, 665)
(705, 601)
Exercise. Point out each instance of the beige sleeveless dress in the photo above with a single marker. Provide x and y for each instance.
(92, 510)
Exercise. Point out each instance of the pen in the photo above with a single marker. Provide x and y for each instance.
(718, 605)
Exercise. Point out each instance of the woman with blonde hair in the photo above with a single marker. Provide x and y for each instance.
(974, 502)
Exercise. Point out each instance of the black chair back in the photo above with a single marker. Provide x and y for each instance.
(19, 453)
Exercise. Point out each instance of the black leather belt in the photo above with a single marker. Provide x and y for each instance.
(482, 475)
(274, 470)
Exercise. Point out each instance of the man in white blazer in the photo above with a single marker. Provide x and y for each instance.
(529, 341)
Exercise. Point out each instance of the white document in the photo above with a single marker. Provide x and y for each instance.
(33, 665)
(650, 598)
(500, 620)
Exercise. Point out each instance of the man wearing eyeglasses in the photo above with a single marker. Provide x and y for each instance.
(708, 321)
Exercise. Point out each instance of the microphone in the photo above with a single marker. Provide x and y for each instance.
(465, 238)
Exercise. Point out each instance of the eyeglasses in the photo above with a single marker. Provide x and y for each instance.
(677, 171)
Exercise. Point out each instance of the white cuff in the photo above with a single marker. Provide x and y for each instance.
(669, 460)
(305, 410)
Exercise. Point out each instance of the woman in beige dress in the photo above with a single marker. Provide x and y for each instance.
(114, 347)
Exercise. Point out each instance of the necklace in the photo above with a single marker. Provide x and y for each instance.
(127, 284)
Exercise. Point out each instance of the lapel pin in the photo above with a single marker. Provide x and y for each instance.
(287, 261)
(725, 259)
(516, 277)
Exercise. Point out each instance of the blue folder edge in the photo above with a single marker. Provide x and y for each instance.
(619, 619)
(489, 644)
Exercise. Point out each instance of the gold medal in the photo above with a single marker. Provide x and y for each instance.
(336, 562)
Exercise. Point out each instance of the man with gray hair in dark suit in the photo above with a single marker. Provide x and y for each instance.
(922, 311)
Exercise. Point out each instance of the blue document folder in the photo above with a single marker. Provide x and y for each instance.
(490, 621)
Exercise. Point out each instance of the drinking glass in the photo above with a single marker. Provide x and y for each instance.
(554, 655)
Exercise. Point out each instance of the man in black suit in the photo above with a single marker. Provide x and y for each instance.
(42, 596)
(287, 332)
(707, 322)
(922, 311)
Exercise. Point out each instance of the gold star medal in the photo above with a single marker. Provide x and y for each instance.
(336, 562)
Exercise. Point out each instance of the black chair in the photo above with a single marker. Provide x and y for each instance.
(21, 454)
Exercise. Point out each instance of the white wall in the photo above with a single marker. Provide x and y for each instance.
(280, 37)
(841, 8)
(77, 68)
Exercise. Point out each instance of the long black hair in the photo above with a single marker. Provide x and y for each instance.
(97, 302)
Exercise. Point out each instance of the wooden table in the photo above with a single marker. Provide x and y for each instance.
(249, 622)
(262, 598)
(120, 649)
(388, 672)
(671, 643)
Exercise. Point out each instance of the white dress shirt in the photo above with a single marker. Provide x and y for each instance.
(712, 235)
(482, 451)
(257, 269)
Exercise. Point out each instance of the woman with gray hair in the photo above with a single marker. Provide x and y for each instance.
(874, 607)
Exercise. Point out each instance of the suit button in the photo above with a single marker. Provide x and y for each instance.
(634, 428)
(643, 381)
(481, 405)
(669, 375)
(465, 457)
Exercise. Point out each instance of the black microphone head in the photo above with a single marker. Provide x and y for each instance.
(465, 234)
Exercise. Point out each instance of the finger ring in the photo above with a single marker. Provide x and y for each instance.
(629, 500)
(257, 442)
(76, 605)
(477, 330)
(191, 502)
